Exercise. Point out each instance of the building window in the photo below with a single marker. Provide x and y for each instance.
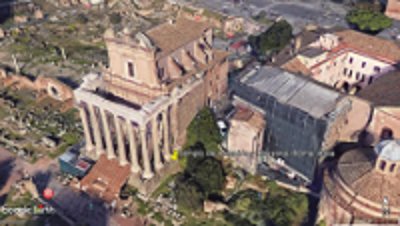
(391, 169)
(345, 71)
(382, 165)
(351, 60)
(363, 64)
(358, 75)
(362, 78)
(334, 64)
(370, 79)
(131, 70)
(377, 69)
(350, 73)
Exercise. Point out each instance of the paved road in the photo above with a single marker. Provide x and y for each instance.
(298, 13)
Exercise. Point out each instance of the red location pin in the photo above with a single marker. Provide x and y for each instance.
(48, 193)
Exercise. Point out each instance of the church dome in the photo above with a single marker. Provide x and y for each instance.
(364, 182)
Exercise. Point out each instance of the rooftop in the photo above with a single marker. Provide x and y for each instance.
(106, 178)
(312, 52)
(173, 35)
(68, 157)
(384, 90)
(296, 66)
(357, 170)
(251, 117)
(294, 90)
(371, 45)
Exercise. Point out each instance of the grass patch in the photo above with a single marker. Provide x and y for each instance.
(143, 208)
(212, 14)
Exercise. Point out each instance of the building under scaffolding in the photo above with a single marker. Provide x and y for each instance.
(298, 112)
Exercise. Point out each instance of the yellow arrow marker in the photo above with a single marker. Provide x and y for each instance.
(175, 155)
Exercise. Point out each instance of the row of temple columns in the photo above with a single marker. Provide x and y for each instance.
(97, 130)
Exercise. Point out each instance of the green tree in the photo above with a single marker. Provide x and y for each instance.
(209, 174)
(281, 207)
(273, 39)
(188, 194)
(204, 130)
(285, 207)
(236, 219)
(368, 21)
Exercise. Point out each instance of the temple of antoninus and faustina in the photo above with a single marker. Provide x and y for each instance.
(137, 110)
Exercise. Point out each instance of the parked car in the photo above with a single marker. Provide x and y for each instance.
(223, 128)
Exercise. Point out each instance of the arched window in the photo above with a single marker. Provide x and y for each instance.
(386, 134)
(392, 167)
(346, 87)
(131, 69)
(382, 165)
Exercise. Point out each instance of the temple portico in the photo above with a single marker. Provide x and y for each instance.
(136, 111)
(141, 140)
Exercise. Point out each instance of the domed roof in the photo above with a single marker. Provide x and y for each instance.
(357, 170)
(388, 150)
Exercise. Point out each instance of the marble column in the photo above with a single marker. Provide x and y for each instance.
(135, 168)
(86, 129)
(96, 130)
(174, 123)
(156, 144)
(167, 150)
(121, 143)
(147, 174)
(107, 134)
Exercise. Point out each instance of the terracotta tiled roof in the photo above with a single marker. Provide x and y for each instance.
(171, 36)
(370, 45)
(383, 91)
(106, 178)
(251, 117)
(295, 66)
(357, 169)
(242, 114)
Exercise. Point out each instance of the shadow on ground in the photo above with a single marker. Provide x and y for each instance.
(78, 207)
(6, 168)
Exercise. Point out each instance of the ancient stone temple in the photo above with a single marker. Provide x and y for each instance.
(138, 109)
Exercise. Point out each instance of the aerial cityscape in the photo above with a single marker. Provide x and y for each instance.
(199, 112)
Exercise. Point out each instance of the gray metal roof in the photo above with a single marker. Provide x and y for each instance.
(293, 90)
(312, 52)
(68, 157)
